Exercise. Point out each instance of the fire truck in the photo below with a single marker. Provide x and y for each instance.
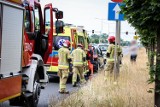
(75, 35)
(25, 44)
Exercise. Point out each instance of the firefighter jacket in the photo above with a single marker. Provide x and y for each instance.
(111, 51)
(64, 56)
(78, 55)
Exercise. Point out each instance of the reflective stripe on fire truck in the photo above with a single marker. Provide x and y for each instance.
(53, 69)
(17, 1)
(10, 97)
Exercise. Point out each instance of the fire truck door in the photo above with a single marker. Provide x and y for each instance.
(48, 22)
(38, 26)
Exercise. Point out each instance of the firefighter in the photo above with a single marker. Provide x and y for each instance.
(78, 58)
(110, 56)
(63, 66)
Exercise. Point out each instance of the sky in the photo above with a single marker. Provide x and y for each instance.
(92, 14)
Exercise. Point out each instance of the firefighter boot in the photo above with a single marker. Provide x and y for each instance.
(75, 84)
(63, 91)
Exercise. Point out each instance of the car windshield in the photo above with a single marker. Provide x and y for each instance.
(103, 47)
(58, 41)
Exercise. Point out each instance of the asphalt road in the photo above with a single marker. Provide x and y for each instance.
(51, 91)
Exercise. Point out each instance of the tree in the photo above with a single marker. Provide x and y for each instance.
(145, 17)
(124, 43)
(103, 38)
(96, 38)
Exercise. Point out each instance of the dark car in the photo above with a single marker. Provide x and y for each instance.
(98, 58)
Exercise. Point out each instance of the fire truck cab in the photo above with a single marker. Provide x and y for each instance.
(25, 44)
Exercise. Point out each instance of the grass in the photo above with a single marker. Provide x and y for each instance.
(130, 91)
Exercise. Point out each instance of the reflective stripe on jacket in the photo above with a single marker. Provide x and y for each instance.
(63, 55)
(111, 50)
(77, 57)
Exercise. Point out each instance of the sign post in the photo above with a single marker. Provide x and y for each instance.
(114, 15)
(117, 44)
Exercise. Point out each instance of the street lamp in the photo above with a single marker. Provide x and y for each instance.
(102, 20)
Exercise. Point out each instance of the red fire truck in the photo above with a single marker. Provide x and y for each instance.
(25, 44)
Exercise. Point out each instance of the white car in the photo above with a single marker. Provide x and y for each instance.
(103, 48)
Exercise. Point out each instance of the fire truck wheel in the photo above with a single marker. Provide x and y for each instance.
(33, 100)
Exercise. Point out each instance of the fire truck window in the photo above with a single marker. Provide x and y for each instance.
(47, 21)
(27, 22)
(33, 21)
(58, 41)
(81, 40)
(37, 19)
(88, 40)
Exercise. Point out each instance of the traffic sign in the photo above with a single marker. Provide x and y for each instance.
(114, 10)
(117, 1)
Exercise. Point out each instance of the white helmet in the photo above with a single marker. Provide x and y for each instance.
(66, 43)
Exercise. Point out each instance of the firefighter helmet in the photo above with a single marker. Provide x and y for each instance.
(66, 43)
(111, 39)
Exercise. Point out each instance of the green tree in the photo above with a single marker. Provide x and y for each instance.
(124, 43)
(103, 38)
(145, 17)
(96, 38)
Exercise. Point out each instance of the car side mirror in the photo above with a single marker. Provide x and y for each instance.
(59, 26)
(59, 15)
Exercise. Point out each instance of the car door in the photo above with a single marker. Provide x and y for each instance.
(100, 57)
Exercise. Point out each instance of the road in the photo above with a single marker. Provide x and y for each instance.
(51, 91)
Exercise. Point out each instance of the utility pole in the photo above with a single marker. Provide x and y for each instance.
(117, 44)
(101, 30)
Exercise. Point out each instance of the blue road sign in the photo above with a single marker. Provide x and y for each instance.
(114, 12)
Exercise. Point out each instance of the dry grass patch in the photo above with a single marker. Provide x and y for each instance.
(131, 90)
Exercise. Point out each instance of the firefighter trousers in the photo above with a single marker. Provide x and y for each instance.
(78, 71)
(109, 70)
(63, 75)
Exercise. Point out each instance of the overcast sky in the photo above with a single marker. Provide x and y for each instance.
(87, 13)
